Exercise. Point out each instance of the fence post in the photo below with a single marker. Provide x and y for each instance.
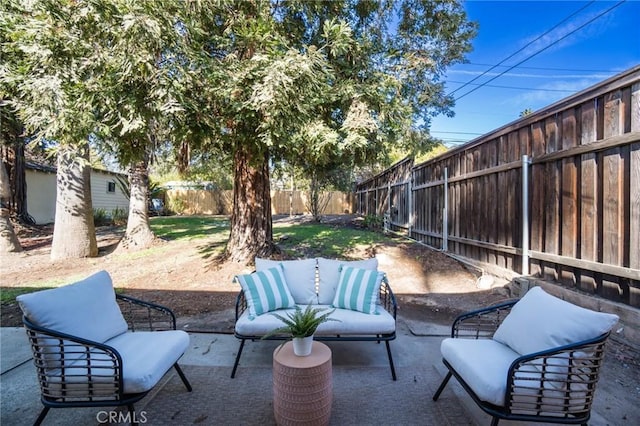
(525, 214)
(445, 212)
(410, 204)
(387, 219)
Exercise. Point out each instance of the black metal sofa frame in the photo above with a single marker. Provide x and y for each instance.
(105, 387)
(483, 323)
(387, 300)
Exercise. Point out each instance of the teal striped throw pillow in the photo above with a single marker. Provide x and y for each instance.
(265, 291)
(358, 290)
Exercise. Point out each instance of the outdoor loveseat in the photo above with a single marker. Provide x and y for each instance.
(364, 303)
(93, 348)
(534, 359)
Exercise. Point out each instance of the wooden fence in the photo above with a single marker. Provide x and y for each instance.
(208, 202)
(571, 214)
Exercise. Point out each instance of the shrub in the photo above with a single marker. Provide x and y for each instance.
(119, 216)
(372, 221)
(177, 205)
(101, 217)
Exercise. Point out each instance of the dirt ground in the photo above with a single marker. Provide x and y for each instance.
(178, 274)
(429, 286)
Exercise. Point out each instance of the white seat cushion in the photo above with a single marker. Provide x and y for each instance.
(86, 309)
(350, 323)
(300, 276)
(329, 275)
(483, 364)
(148, 355)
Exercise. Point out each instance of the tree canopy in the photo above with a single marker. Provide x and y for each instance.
(315, 84)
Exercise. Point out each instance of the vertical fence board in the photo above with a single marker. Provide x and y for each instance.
(552, 216)
(503, 197)
(569, 230)
(588, 197)
(634, 190)
(456, 204)
(612, 186)
(634, 208)
(491, 218)
(551, 198)
(466, 206)
(537, 196)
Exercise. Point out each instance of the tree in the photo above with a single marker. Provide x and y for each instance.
(254, 82)
(341, 81)
(46, 84)
(139, 47)
(8, 239)
(102, 71)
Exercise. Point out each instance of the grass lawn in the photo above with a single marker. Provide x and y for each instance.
(210, 234)
(297, 240)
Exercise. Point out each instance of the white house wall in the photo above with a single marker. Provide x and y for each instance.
(100, 195)
(41, 194)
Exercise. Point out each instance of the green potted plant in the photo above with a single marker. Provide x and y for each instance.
(300, 326)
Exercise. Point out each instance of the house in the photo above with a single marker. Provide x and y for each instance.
(106, 194)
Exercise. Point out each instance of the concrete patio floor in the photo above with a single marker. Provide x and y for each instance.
(416, 344)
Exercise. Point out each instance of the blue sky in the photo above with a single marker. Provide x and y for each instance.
(583, 57)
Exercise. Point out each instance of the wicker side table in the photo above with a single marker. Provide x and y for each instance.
(302, 386)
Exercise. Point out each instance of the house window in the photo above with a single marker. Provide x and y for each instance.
(111, 187)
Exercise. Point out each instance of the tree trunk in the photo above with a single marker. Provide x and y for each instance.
(20, 185)
(251, 227)
(138, 235)
(13, 157)
(184, 158)
(74, 234)
(8, 241)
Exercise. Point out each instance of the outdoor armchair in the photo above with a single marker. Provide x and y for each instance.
(537, 359)
(88, 354)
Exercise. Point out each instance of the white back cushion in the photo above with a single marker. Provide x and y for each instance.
(329, 274)
(86, 309)
(541, 321)
(300, 276)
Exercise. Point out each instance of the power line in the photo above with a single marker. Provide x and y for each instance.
(459, 133)
(545, 68)
(525, 46)
(516, 88)
(542, 50)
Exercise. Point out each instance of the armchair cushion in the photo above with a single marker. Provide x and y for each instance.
(358, 289)
(483, 364)
(300, 276)
(147, 356)
(266, 291)
(540, 321)
(145, 363)
(329, 275)
(86, 309)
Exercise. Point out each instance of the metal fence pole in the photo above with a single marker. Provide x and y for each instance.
(410, 204)
(445, 212)
(525, 214)
(387, 221)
